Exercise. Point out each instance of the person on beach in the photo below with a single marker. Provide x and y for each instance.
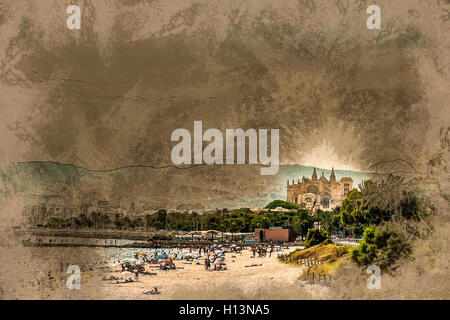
(172, 264)
(254, 251)
(215, 266)
(207, 263)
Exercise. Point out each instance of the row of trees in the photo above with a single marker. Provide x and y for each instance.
(239, 220)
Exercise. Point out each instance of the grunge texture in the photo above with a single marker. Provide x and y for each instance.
(95, 107)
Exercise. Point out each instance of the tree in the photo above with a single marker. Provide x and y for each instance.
(280, 203)
(382, 246)
(161, 216)
(393, 199)
(325, 219)
(315, 237)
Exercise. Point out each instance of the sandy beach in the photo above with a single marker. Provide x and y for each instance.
(268, 279)
(41, 273)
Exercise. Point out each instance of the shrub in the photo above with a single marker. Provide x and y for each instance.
(280, 203)
(341, 251)
(382, 246)
(315, 236)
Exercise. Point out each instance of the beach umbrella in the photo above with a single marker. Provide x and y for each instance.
(130, 260)
(163, 261)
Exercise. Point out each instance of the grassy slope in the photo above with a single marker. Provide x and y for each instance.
(331, 255)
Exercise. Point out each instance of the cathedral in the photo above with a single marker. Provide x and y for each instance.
(319, 193)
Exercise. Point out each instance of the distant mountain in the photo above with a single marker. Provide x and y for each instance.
(146, 188)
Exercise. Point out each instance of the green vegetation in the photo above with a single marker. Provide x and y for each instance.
(315, 237)
(389, 215)
(239, 220)
(283, 204)
(332, 257)
(382, 246)
(378, 203)
(320, 252)
(341, 251)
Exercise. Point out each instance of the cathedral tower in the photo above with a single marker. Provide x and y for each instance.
(314, 175)
(332, 176)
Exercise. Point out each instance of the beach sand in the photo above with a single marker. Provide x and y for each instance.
(271, 280)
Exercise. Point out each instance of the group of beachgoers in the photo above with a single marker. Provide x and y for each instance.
(213, 255)
(214, 258)
(262, 250)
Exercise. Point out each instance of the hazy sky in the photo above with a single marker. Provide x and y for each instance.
(110, 94)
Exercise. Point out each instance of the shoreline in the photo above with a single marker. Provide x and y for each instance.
(37, 237)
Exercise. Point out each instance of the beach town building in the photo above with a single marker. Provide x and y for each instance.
(275, 235)
(319, 193)
(38, 209)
